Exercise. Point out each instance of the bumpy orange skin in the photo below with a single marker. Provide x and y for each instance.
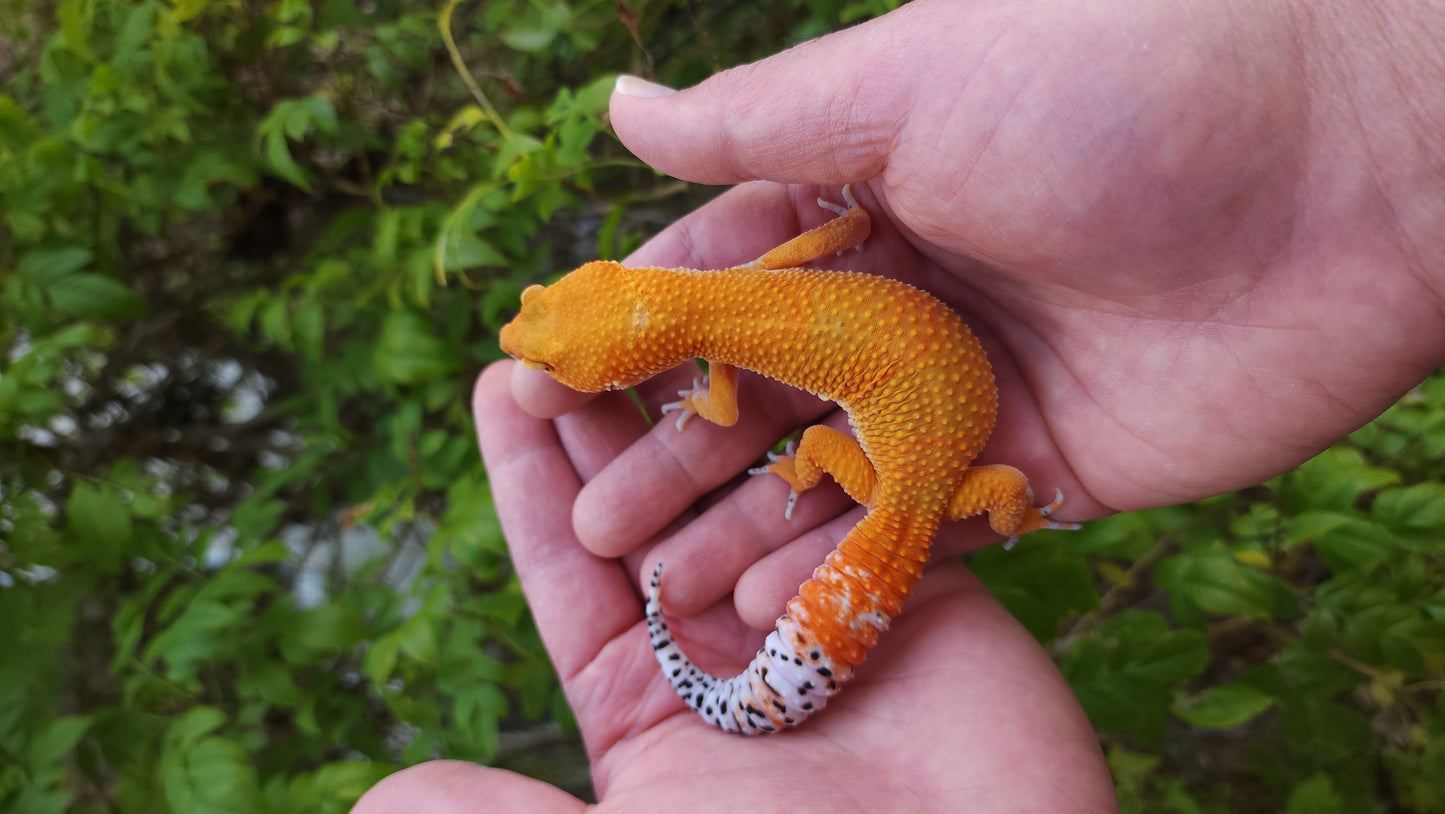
(918, 391)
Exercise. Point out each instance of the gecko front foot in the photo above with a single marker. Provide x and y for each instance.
(841, 210)
(782, 466)
(685, 401)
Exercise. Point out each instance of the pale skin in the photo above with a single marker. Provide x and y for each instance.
(1199, 243)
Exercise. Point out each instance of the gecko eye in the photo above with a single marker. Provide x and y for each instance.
(531, 291)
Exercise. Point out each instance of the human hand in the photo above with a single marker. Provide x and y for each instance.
(957, 702)
(1189, 270)
(1200, 243)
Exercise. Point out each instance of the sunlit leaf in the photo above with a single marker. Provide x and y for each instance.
(1223, 706)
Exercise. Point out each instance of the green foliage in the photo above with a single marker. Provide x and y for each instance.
(251, 254)
(1279, 649)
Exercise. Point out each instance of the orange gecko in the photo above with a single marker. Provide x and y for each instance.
(919, 394)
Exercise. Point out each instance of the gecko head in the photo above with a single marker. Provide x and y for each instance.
(576, 329)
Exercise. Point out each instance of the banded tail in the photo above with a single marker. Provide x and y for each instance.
(826, 631)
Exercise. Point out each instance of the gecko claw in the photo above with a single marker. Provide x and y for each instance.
(1045, 511)
(1058, 525)
(839, 209)
(773, 458)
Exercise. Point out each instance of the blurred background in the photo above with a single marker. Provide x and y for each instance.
(252, 255)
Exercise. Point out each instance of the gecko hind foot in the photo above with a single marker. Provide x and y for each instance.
(1045, 511)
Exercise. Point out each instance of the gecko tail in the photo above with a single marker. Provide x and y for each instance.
(782, 686)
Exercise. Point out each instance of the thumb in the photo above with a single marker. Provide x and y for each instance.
(824, 112)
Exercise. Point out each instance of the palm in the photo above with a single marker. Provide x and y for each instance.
(952, 701)
(931, 723)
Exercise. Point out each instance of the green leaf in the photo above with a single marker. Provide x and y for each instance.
(131, 53)
(1315, 796)
(470, 529)
(1299, 672)
(310, 329)
(200, 632)
(1131, 768)
(100, 525)
(332, 789)
(57, 739)
(381, 657)
(45, 266)
(1335, 479)
(536, 27)
(292, 120)
(1123, 673)
(418, 639)
(340, 13)
(1041, 584)
(278, 158)
(410, 352)
(94, 296)
(1421, 506)
(213, 775)
(212, 168)
(1224, 706)
(271, 681)
(479, 711)
(193, 725)
(1310, 525)
(1216, 582)
(264, 554)
(320, 632)
(186, 10)
(464, 250)
(1323, 730)
(1355, 545)
(75, 23)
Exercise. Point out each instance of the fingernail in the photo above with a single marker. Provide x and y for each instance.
(640, 88)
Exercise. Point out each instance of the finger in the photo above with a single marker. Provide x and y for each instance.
(579, 602)
(454, 787)
(766, 585)
(824, 112)
(600, 430)
(767, 582)
(735, 126)
(705, 557)
(667, 471)
(543, 396)
(741, 225)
